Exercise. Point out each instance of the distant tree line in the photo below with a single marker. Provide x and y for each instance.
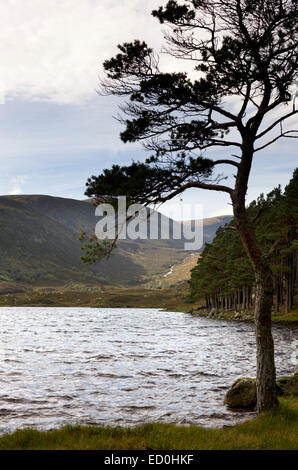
(223, 274)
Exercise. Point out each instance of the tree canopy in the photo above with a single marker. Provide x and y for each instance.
(239, 48)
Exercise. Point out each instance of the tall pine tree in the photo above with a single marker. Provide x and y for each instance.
(239, 48)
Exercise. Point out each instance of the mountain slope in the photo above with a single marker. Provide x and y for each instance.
(39, 246)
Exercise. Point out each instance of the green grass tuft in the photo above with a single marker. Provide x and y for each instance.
(277, 429)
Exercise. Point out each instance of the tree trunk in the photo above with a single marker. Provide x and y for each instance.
(266, 392)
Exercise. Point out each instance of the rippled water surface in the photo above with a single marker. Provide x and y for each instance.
(123, 366)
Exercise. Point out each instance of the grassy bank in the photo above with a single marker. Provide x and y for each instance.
(275, 430)
(287, 318)
(171, 299)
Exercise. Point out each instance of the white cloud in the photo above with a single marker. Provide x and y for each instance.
(53, 50)
(17, 183)
(226, 210)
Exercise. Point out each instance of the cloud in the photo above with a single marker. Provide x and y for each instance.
(226, 210)
(52, 50)
(17, 183)
(53, 124)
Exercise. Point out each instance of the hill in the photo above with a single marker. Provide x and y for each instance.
(211, 224)
(39, 247)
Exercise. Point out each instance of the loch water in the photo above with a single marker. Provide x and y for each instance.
(124, 366)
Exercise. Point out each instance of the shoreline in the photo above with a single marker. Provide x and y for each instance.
(274, 430)
(171, 299)
(290, 319)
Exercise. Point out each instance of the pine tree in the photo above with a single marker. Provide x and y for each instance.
(240, 48)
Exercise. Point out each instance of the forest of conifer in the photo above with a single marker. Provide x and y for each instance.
(224, 276)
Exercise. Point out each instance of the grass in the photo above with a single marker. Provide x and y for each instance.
(273, 430)
(287, 317)
(180, 272)
(170, 299)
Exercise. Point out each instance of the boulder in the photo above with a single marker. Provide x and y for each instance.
(242, 394)
(213, 312)
(287, 385)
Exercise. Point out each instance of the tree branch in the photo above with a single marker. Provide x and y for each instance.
(225, 162)
(292, 113)
(284, 134)
(193, 184)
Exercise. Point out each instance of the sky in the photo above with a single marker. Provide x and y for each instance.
(55, 130)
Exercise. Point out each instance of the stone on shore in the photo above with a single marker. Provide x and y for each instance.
(242, 394)
(287, 385)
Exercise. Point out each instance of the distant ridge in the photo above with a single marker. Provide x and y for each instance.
(211, 224)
